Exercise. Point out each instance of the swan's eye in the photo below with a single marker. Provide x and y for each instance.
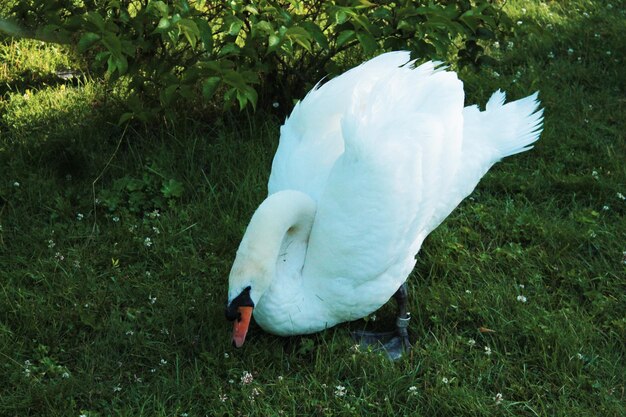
(242, 300)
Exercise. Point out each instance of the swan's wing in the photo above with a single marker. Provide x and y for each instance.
(403, 139)
(311, 139)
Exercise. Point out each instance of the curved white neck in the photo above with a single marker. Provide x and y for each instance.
(271, 256)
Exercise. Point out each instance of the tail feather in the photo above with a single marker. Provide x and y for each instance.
(513, 127)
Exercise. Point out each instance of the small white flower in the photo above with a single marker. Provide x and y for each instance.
(16, 184)
(373, 317)
(496, 74)
(83, 415)
(231, 381)
(79, 216)
(280, 378)
(59, 257)
(521, 298)
(524, 10)
(519, 23)
(487, 350)
(585, 14)
(621, 196)
(580, 356)
(246, 378)
(152, 299)
(521, 286)
(496, 44)
(254, 393)
(445, 380)
(226, 355)
(117, 388)
(471, 343)
(65, 375)
(608, 53)
(340, 391)
(355, 348)
(152, 370)
(498, 398)
(76, 264)
(570, 51)
(605, 208)
(147, 242)
(596, 35)
(154, 214)
(129, 333)
(115, 219)
(551, 55)
(51, 244)
(275, 104)
(223, 397)
(163, 362)
(27, 362)
(156, 230)
(510, 45)
(412, 390)
(184, 415)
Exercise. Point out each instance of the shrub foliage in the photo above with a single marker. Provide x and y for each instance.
(166, 51)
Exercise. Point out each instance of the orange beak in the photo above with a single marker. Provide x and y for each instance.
(240, 327)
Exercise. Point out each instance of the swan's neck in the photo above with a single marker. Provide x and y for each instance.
(271, 256)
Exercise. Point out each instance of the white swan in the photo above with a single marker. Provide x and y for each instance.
(367, 166)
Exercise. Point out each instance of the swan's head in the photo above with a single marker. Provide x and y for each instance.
(247, 283)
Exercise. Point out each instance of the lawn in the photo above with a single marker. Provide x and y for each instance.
(116, 243)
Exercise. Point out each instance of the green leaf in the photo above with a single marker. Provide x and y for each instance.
(368, 43)
(344, 37)
(205, 34)
(172, 189)
(164, 24)
(209, 86)
(341, 16)
(87, 40)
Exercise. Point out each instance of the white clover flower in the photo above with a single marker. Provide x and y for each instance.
(340, 391)
(223, 398)
(59, 257)
(471, 343)
(147, 242)
(51, 244)
(246, 378)
(521, 298)
(498, 398)
(412, 390)
(487, 351)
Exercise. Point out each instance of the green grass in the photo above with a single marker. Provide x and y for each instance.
(95, 321)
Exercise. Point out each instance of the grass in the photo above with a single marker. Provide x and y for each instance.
(97, 319)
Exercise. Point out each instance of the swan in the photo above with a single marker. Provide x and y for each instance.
(368, 164)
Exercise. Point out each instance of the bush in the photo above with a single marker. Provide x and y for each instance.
(170, 52)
